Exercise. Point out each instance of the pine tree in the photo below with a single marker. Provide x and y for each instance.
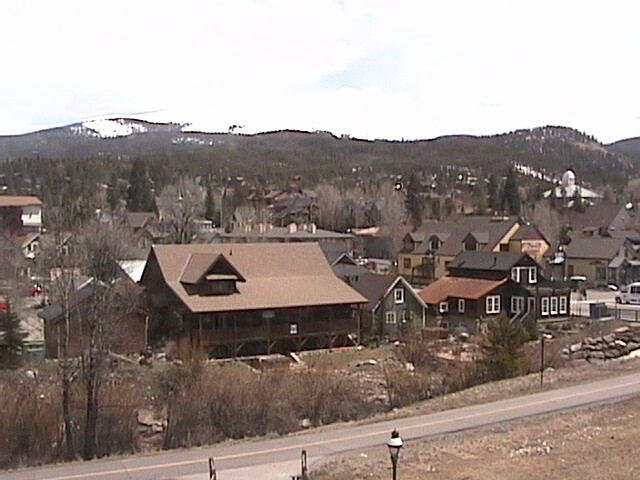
(494, 194)
(11, 339)
(511, 196)
(140, 195)
(413, 202)
(502, 347)
(209, 202)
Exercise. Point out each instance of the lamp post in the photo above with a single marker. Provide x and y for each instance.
(395, 444)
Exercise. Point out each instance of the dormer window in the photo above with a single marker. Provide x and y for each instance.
(218, 285)
(207, 275)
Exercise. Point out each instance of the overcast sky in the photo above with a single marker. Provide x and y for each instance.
(371, 69)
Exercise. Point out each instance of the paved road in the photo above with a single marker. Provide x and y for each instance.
(278, 459)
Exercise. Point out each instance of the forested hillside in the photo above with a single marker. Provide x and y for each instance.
(79, 169)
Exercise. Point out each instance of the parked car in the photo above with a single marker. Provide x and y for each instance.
(629, 294)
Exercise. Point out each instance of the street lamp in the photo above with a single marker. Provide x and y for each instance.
(395, 444)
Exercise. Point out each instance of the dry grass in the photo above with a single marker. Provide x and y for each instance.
(591, 442)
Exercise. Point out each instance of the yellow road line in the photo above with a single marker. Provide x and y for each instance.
(335, 440)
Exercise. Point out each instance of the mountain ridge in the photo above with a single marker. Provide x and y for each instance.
(549, 148)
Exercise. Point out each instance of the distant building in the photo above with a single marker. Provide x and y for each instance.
(569, 189)
(20, 215)
(292, 233)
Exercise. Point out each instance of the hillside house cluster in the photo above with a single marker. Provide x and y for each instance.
(286, 285)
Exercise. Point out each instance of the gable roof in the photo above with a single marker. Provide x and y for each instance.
(140, 219)
(593, 247)
(18, 201)
(334, 251)
(601, 216)
(528, 232)
(486, 229)
(202, 264)
(494, 261)
(277, 275)
(458, 287)
(83, 292)
(375, 287)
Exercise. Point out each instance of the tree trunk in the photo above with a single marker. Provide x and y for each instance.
(92, 408)
(66, 411)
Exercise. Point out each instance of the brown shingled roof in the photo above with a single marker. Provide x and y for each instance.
(277, 275)
(18, 201)
(458, 287)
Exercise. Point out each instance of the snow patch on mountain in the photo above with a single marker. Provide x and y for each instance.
(112, 128)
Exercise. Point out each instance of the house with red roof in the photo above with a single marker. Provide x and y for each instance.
(481, 285)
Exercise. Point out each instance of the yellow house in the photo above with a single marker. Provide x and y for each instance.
(427, 252)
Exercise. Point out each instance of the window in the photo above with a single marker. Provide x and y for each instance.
(293, 328)
(493, 304)
(461, 305)
(406, 263)
(544, 306)
(562, 308)
(522, 274)
(553, 305)
(398, 295)
(390, 317)
(515, 274)
(443, 307)
(601, 273)
(517, 304)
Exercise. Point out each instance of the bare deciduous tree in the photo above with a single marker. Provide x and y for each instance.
(179, 205)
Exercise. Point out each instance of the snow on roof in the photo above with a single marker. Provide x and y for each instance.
(133, 268)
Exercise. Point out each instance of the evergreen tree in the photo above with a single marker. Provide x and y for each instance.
(494, 194)
(209, 202)
(511, 196)
(481, 199)
(11, 338)
(502, 347)
(140, 194)
(413, 201)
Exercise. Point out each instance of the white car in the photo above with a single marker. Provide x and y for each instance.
(629, 294)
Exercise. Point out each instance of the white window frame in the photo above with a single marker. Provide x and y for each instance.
(517, 304)
(461, 305)
(533, 275)
(553, 305)
(562, 304)
(390, 317)
(398, 295)
(492, 304)
(515, 274)
(443, 307)
(293, 328)
(544, 306)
